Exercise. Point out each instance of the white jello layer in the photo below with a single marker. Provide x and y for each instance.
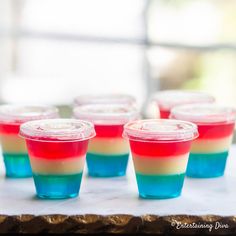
(59, 166)
(12, 143)
(211, 145)
(160, 165)
(106, 146)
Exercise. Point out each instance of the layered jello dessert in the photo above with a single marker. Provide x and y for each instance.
(168, 99)
(209, 151)
(124, 99)
(160, 150)
(108, 152)
(57, 150)
(14, 150)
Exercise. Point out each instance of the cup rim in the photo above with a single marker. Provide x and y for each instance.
(104, 99)
(106, 114)
(19, 113)
(160, 130)
(168, 99)
(58, 130)
(204, 113)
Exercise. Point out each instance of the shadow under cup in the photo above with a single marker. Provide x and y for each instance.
(57, 157)
(160, 151)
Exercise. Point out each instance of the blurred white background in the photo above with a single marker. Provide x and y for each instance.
(54, 50)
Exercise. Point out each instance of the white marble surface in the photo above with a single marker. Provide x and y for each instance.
(119, 196)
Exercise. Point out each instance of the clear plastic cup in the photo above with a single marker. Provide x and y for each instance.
(57, 150)
(124, 99)
(14, 150)
(209, 151)
(168, 99)
(108, 152)
(160, 150)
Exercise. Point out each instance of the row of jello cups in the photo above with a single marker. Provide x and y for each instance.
(160, 147)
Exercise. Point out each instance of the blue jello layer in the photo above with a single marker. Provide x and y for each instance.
(206, 165)
(160, 186)
(57, 186)
(106, 165)
(17, 165)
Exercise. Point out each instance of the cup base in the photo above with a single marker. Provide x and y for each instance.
(160, 186)
(17, 165)
(106, 175)
(106, 165)
(57, 186)
(201, 176)
(57, 197)
(206, 165)
(145, 196)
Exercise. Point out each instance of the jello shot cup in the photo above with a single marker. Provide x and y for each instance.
(160, 150)
(57, 150)
(209, 151)
(168, 99)
(122, 99)
(108, 152)
(16, 160)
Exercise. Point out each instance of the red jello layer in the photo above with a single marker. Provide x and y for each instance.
(163, 149)
(109, 130)
(214, 131)
(164, 114)
(9, 128)
(56, 150)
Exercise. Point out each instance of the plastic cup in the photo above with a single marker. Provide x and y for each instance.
(57, 150)
(209, 151)
(108, 152)
(14, 150)
(122, 99)
(168, 99)
(160, 150)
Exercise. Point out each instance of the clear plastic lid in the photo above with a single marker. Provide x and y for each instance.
(105, 99)
(106, 114)
(170, 98)
(58, 130)
(160, 130)
(22, 113)
(204, 113)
